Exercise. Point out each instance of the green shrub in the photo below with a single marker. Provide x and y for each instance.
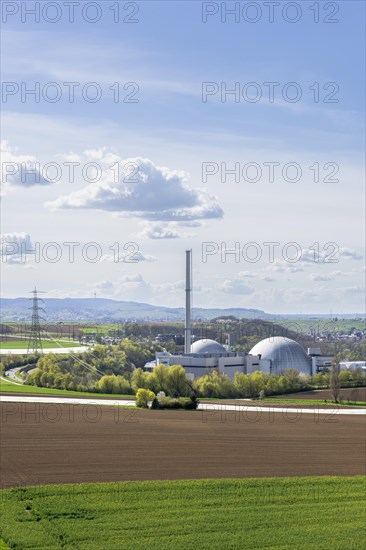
(144, 397)
(188, 403)
(169, 403)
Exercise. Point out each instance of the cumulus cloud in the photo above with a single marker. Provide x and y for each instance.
(268, 279)
(192, 224)
(258, 275)
(15, 247)
(247, 274)
(137, 187)
(175, 288)
(281, 266)
(330, 254)
(128, 257)
(19, 170)
(319, 277)
(159, 231)
(235, 286)
(105, 287)
(326, 276)
(133, 287)
(349, 254)
(140, 257)
(130, 287)
(301, 296)
(305, 257)
(169, 230)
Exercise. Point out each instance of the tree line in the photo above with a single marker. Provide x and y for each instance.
(119, 369)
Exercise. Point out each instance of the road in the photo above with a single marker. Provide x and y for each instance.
(12, 373)
(210, 407)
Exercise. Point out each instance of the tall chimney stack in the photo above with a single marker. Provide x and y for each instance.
(188, 328)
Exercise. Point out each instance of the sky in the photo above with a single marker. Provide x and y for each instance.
(132, 131)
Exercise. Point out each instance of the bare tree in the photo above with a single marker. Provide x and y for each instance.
(335, 381)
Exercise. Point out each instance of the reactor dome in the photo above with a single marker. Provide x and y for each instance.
(283, 353)
(207, 346)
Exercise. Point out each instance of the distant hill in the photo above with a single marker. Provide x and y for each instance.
(105, 310)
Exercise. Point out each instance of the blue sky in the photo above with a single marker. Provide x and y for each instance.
(170, 134)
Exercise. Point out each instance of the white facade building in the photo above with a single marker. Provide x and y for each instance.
(273, 356)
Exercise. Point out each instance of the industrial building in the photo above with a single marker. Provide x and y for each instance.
(273, 355)
(208, 355)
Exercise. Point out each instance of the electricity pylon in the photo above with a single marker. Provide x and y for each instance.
(35, 340)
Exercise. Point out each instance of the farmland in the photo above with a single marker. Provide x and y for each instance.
(10, 387)
(227, 513)
(45, 443)
(46, 344)
(183, 479)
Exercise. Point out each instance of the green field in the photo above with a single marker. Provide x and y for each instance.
(23, 344)
(9, 387)
(319, 402)
(319, 325)
(283, 513)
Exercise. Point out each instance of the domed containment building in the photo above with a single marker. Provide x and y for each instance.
(206, 355)
(273, 355)
(283, 354)
(207, 346)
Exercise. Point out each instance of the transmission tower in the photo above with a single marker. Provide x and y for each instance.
(35, 340)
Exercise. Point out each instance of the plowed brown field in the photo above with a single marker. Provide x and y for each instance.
(42, 444)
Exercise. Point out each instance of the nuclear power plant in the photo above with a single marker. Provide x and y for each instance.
(273, 355)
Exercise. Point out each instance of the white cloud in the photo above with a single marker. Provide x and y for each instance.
(175, 288)
(70, 157)
(247, 274)
(140, 257)
(329, 255)
(320, 277)
(128, 257)
(326, 257)
(255, 275)
(327, 276)
(133, 287)
(281, 266)
(139, 188)
(15, 247)
(349, 254)
(192, 224)
(19, 170)
(105, 287)
(159, 231)
(235, 286)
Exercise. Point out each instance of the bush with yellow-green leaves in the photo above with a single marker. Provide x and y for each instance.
(144, 397)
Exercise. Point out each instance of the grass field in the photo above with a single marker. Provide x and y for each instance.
(319, 325)
(23, 344)
(320, 402)
(9, 387)
(268, 513)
